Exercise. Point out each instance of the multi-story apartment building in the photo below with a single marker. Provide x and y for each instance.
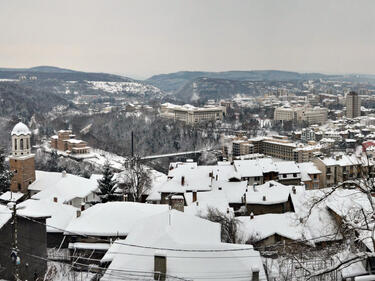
(353, 105)
(242, 147)
(307, 135)
(276, 146)
(311, 115)
(191, 114)
(315, 115)
(343, 167)
(284, 113)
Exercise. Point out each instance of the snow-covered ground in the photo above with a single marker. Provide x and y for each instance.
(125, 87)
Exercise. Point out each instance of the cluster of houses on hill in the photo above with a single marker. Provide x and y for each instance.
(167, 237)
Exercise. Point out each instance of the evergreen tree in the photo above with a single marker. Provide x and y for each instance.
(53, 162)
(5, 174)
(107, 185)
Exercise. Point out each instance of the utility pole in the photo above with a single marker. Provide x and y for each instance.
(132, 144)
(14, 255)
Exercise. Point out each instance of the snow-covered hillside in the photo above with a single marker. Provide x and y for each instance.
(125, 87)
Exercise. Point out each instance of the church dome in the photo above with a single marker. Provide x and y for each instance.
(20, 129)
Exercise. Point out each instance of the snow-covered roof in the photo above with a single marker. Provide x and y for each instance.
(89, 246)
(316, 217)
(176, 230)
(11, 196)
(212, 199)
(20, 129)
(5, 215)
(194, 178)
(248, 168)
(272, 191)
(263, 226)
(60, 214)
(63, 186)
(307, 169)
(287, 167)
(112, 218)
(347, 160)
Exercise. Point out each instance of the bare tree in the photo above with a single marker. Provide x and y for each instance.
(357, 215)
(229, 224)
(136, 179)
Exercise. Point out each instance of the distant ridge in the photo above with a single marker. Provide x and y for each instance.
(174, 82)
(52, 72)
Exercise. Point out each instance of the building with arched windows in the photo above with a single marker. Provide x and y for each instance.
(22, 162)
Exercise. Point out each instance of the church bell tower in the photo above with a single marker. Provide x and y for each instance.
(21, 162)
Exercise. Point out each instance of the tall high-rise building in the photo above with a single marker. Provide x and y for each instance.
(21, 162)
(353, 105)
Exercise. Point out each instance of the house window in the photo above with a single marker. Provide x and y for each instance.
(284, 176)
(294, 175)
(19, 187)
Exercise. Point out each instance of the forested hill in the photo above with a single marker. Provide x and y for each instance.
(173, 82)
(23, 102)
(49, 72)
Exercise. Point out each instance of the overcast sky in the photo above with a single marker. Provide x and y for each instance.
(141, 38)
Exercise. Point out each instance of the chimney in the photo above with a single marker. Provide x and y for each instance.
(271, 184)
(63, 174)
(217, 177)
(251, 215)
(294, 189)
(211, 174)
(55, 199)
(255, 275)
(78, 213)
(264, 197)
(182, 180)
(227, 210)
(194, 195)
(82, 206)
(160, 266)
(197, 203)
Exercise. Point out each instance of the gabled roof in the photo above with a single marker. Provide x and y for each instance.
(248, 168)
(60, 214)
(287, 167)
(263, 226)
(64, 186)
(176, 230)
(112, 218)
